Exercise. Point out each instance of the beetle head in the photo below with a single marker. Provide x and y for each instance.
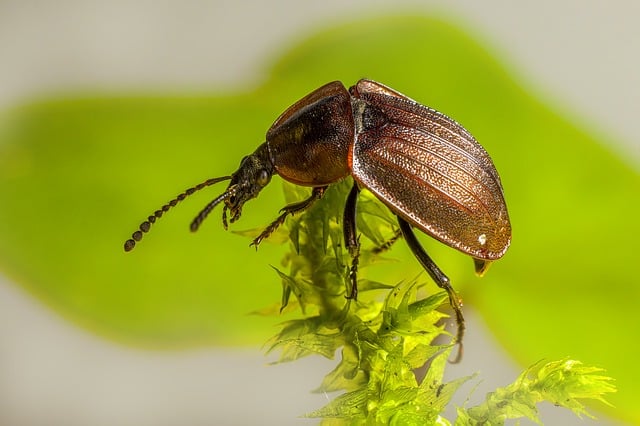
(254, 173)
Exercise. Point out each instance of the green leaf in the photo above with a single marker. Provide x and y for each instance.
(78, 174)
(291, 285)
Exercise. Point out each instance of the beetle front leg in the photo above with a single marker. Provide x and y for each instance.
(287, 210)
(351, 241)
(438, 276)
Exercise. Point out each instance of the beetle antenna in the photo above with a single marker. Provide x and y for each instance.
(146, 225)
(195, 224)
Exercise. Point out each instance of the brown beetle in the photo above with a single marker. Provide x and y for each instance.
(423, 165)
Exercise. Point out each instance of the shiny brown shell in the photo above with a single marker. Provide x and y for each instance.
(430, 171)
(310, 142)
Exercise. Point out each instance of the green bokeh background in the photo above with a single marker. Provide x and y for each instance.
(77, 175)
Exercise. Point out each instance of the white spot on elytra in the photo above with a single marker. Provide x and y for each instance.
(482, 239)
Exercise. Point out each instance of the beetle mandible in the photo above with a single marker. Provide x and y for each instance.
(425, 167)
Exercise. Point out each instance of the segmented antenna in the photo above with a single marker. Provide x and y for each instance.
(146, 225)
(207, 209)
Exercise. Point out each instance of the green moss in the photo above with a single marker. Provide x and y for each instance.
(390, 332)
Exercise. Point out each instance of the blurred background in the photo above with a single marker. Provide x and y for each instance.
(120, 101)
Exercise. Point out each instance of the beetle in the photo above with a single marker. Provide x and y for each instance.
(424, 166)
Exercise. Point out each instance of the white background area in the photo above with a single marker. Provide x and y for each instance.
(583, 56)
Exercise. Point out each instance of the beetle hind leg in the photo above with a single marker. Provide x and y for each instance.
(438, 276)
(287, 210)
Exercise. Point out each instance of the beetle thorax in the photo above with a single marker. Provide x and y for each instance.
(310, 142)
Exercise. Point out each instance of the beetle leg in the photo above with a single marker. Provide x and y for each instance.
(287, 210)
(351, 241)
(387, 244)
(438, 276)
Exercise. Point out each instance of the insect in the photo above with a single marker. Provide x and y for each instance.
(425, 167)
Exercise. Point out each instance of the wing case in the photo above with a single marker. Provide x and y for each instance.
(429, 170)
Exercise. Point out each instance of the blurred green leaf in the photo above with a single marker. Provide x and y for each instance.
(77, 176)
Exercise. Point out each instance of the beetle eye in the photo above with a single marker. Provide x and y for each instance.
(263, 178)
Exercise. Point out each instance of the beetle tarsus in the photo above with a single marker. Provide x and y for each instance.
(270, 229)
(353, 272)
(287, 210)
(354, 252)
(454, 301)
